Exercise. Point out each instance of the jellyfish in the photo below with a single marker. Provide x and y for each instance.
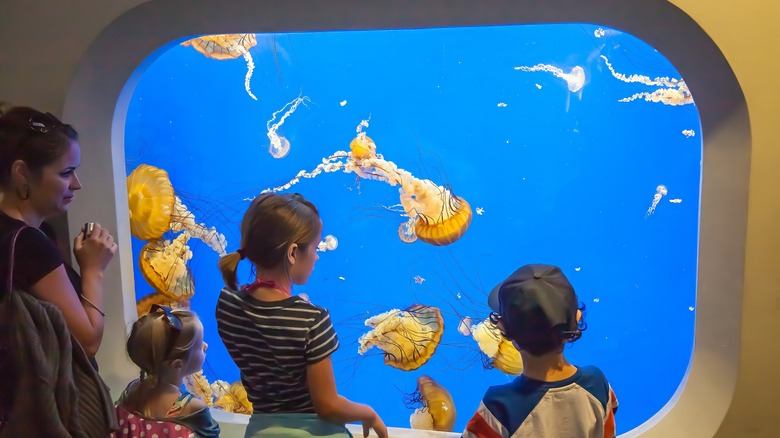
(438, 409)
(328, 244)
(501, 353)
(163, 265)
(406, 231)
(280, 146)
(198, 385)
(151, 200)
(408, 338)
(660, 192)
(667, 96)
(575, 79)
(144, 305)
(228, 46)
(233, 399)
(674, 91)
(435, 215)
(155, 209)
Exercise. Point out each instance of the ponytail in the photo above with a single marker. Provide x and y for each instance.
(228, 265)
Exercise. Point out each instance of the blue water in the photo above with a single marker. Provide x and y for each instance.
(563, 178)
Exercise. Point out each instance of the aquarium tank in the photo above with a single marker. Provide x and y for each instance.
(440, 161)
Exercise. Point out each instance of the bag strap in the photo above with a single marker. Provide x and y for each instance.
(11, 256)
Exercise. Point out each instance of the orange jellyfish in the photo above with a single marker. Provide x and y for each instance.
(155, 209)
(408, 338)
(150, 199)
(438, 409)
(501, 353)
(439, 217)
(144, 305)
(228, 46)
(164, 266)
(436, 215)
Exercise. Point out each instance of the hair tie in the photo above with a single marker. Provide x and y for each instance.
(241, 253)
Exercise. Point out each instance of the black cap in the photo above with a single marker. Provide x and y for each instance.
(532, 291)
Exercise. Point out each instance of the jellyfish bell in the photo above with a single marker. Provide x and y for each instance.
(279, 147)
(576, 79)
(362, 147)
(163, 265)
(501, 353)
(406, 231)
(408, 338)
(223, 47)
(446, 226)
(329, 243)
(662, 190)
(150, 200)
(438, 409)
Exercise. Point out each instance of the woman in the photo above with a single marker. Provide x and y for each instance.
(39, 156)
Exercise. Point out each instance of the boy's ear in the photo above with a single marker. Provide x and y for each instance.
(579, 315)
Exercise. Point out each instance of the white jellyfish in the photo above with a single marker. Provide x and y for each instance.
(280, 146)
(660, 192)
(674, 91)
(575, 79)
(328, 244)
(406, 231)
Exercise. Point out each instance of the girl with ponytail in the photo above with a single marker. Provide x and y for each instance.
(281, 342)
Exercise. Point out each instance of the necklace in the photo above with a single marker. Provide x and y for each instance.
(267, 284)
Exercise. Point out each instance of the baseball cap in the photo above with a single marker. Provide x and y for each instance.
(532, 292)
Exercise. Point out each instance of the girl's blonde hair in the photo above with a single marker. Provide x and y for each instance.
(149, 348)
(271, 224)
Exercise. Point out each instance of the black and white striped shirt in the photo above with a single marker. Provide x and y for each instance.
(272, 342)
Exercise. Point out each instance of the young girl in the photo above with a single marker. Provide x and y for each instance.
(167, 345)
(281, 343)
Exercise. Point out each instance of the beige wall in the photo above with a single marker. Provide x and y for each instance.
(42, 42)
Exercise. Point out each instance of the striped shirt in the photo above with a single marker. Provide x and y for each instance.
(272, 342)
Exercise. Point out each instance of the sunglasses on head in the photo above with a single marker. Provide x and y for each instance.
(47, 122)
(174, 325)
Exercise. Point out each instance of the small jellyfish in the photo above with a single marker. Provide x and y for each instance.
(480, 211)
(688, 133)
(575, 79)
(464, 328)
(675, 201)
(328, 244)
(280, 146)
(406, 231)
(418, 279)
(660, 192)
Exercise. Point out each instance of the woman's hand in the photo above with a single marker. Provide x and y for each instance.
(94, 252)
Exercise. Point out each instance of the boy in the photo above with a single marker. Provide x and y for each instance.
(536, 309)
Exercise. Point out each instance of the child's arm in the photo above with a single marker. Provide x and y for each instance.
(332, 407)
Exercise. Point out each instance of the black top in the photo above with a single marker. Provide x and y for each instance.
(35, 255)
